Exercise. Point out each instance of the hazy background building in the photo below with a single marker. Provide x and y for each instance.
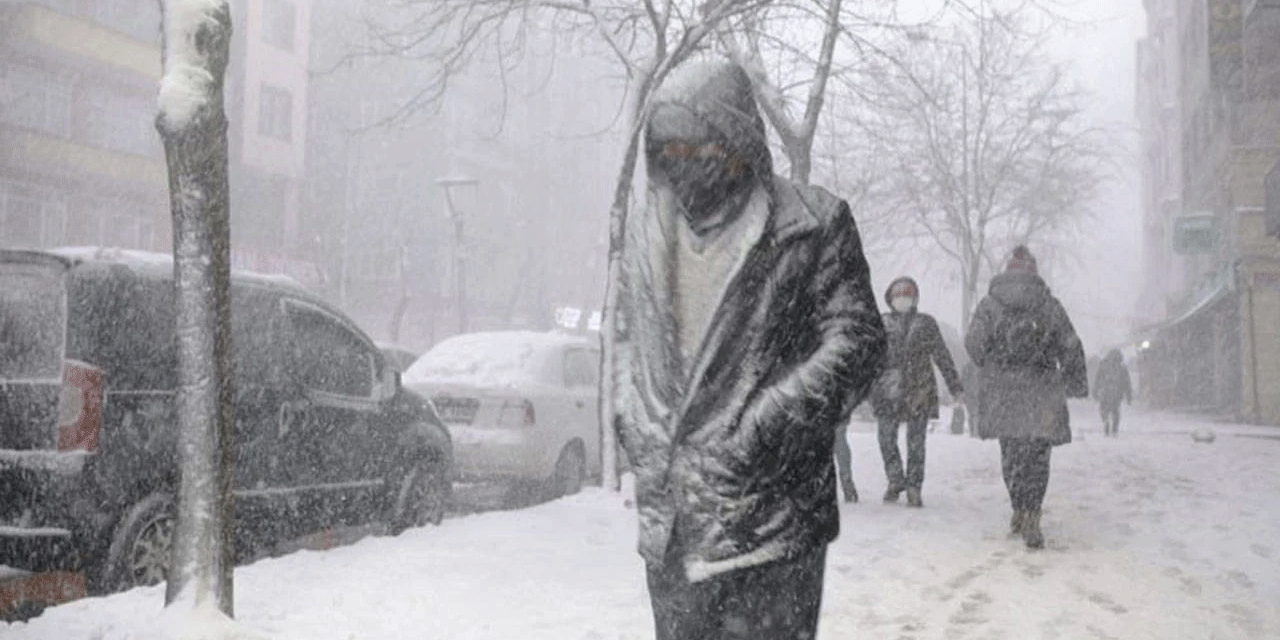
(527, 154)
(1209, 259)
(80, 160)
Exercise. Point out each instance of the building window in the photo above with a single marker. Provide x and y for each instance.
(35, 98)
(278, 24)
(275, 113)
(122, 123)
(139, 20)
(122, 224)
(31, 217)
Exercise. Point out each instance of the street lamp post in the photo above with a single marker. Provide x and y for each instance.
(459, 251)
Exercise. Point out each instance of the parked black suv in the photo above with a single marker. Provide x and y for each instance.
(325, 435)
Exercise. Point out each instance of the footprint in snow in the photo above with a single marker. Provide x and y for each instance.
(1101, 599)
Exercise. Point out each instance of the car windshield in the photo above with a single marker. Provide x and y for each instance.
(483, 359)
(32, 311)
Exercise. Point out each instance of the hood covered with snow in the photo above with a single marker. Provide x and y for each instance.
(711, 100)
(1019, 290)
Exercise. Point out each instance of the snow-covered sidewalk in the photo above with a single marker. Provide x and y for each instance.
(1149, 536)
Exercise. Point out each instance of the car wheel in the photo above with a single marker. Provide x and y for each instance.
(423, 497)
(140, 549)
(571, 471)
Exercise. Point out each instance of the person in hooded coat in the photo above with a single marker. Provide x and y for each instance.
(906, 390)
(1031, 361)
(1110, 386)
(745, 333)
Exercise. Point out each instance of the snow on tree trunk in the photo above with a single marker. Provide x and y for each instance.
(617, 228)
(193, 126)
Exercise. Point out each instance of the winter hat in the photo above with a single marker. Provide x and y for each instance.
(903, 286)
(1021, 260)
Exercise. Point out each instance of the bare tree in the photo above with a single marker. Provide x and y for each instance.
(193, 126)
(646, 39)
(986, 141)
(778, 32)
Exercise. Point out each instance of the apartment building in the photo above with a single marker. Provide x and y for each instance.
(1211, 139)
(80, 160)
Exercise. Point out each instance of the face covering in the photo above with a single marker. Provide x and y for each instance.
(902, 304)
(701, 183)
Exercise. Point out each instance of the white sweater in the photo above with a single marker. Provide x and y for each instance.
(703, 267)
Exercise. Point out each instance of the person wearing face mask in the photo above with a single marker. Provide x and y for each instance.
(906, 391)
(745, 333)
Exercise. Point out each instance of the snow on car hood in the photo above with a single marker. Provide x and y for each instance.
(488, 359)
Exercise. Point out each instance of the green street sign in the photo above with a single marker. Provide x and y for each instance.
(1196, 234)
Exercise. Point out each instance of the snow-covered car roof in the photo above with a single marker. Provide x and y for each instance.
(490, 358)
(153, 261)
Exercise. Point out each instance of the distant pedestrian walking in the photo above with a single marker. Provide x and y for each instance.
(1110, 386)
(1031, 361)
(906, 391)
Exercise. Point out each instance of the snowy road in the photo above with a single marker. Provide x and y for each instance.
(1149, 536)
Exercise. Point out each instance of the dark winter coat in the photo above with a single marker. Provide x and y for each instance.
(1112, 384)
(1030, 400)
(906, 390)
(733, 460)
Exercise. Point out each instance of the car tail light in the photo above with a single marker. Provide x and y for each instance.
(530, 417)
(80, 407)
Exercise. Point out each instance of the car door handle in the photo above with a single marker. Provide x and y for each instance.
(580, 404)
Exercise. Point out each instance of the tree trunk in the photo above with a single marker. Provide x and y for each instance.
(617, 230)
(193, 126)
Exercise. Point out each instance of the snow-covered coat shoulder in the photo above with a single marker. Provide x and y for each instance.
(733, 460)
(1026, 401)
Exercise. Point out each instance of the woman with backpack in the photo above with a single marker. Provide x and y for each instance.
(1031, 361)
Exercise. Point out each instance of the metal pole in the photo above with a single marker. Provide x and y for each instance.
(460, 262)
(459, 247)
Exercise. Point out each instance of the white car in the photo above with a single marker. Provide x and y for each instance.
(521, 405)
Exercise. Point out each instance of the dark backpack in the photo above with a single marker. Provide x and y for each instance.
(1022, 338)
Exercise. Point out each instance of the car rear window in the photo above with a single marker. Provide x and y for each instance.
(32, 321)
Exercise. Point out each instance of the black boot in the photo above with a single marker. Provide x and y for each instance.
(913, 498)
(1031, 530)
(891, 494)
(1015, 523)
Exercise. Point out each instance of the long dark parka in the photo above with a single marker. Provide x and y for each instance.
(732, 443)
(1112, 383)
(907, 389)
(1026, 400)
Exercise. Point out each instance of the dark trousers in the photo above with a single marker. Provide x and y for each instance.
(775, 601)
(888, 434)
(844, 463)
(1025, 463)
(1110, 412)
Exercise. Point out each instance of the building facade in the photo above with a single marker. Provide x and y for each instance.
(1211, 135)
(80, 160)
